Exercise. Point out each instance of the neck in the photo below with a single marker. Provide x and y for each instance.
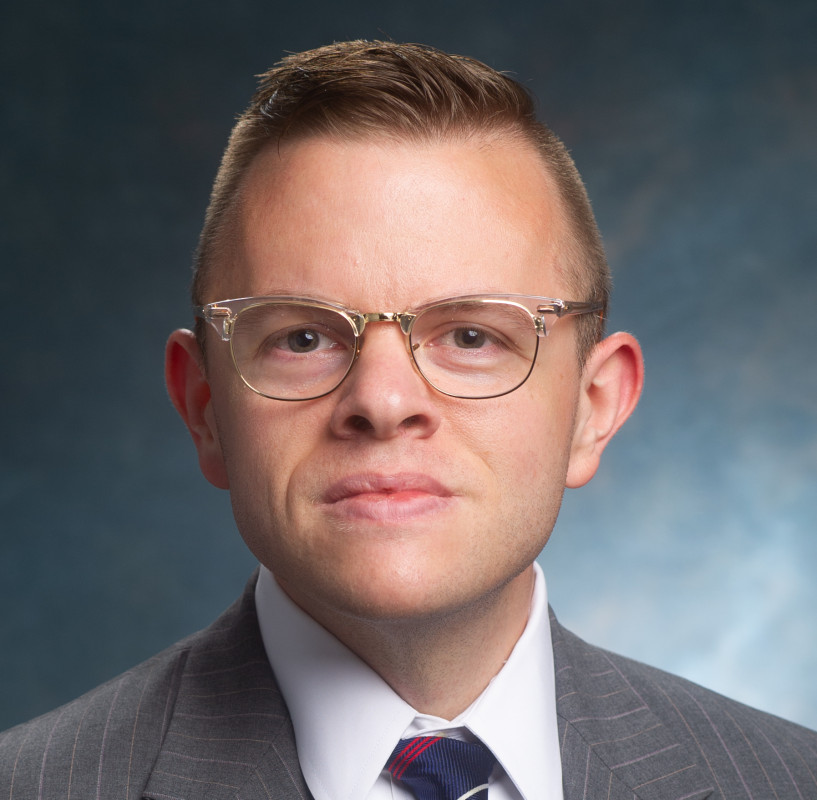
(440, 665)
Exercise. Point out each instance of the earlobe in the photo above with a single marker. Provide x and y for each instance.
(189, 392)
(611, 385)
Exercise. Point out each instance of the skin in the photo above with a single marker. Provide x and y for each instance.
(404, 521)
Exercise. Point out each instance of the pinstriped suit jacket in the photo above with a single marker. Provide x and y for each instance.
(205, 721)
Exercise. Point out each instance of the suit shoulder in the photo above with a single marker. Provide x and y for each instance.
(120, 723)
(105, 743)
(677, 697)
(739, 747)
(680, 697)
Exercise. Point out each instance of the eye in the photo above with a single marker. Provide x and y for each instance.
(305, 340)
(302, 341)
(468, 338)
(459, 338)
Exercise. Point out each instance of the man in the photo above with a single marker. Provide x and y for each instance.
(398, 366)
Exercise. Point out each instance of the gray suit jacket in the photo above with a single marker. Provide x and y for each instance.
(205, 720)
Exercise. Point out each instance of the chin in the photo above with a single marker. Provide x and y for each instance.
(420, 596)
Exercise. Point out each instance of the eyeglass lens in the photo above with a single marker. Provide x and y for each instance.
(295, 352)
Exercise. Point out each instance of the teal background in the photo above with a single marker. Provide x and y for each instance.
(695, 127)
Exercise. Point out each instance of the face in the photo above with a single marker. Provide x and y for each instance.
(387, 499)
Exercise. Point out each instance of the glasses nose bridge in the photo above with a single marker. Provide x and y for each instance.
(402, 318)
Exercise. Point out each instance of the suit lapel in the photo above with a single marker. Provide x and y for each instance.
(613, 745)
(229, 735)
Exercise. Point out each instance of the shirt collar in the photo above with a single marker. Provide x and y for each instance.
(347, 720)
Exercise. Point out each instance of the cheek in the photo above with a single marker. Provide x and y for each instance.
(525, 442)
(262, 442)
(266, 444)
(267, 460)
(524, 435)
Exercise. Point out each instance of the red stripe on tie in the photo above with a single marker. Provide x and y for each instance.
(409, 753)
(404, 754)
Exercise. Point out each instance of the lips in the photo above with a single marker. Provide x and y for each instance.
(355, 485)
(387, 498)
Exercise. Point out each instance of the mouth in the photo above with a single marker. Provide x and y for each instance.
(387, 498)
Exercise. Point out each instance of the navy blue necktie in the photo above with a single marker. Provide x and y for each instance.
(439, 768)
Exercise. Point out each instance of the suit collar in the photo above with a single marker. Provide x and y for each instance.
(228, 734)
(612, 743)
(329, 689)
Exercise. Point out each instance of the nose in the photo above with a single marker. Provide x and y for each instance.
(384, 396)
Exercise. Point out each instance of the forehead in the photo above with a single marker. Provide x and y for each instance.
(396, 223)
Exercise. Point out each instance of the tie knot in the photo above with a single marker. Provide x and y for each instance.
(439, 768)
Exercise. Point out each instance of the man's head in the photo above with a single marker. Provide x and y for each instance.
(402, 92)
(386, 499)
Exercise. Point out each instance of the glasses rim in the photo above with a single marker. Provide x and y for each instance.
(543, 311)
(219, 310)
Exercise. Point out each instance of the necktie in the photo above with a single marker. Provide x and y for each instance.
(438, 768)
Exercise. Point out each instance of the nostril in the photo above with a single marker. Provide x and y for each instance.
(360, 423)
(412, 422)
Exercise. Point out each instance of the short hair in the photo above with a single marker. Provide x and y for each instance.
(407, 92)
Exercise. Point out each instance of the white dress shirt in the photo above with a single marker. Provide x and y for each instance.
(347, 720)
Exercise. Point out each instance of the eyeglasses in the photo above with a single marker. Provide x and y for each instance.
(477, 346)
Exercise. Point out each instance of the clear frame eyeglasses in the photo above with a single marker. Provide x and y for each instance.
(476, 346)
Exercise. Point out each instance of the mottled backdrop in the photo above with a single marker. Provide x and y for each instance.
(695, 126)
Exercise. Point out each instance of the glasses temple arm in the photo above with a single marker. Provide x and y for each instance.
(563, 308)
(215, 315)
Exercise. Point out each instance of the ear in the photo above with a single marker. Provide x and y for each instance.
(189, 391)
(610, 387)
